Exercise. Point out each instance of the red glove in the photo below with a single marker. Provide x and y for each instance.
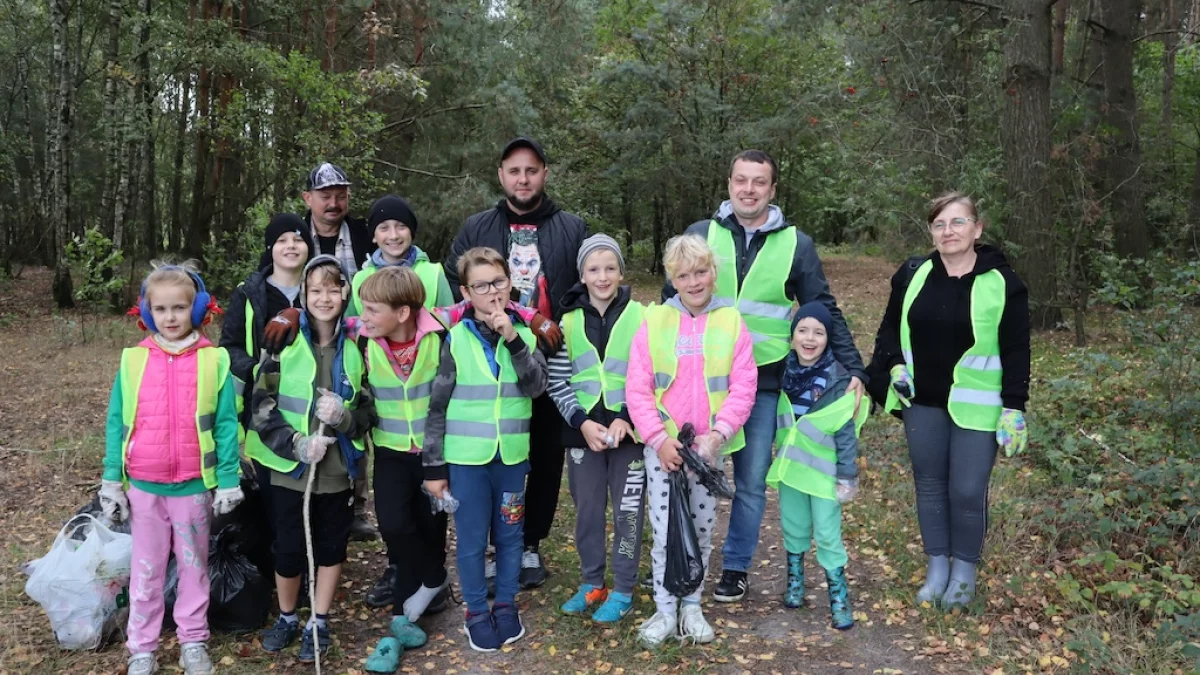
(281, 330)
(548, 333)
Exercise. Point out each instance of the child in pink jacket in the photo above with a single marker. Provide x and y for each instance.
(692, 361)
(171, 442)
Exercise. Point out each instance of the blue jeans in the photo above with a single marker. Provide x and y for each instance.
(750, 466)
(491, 499)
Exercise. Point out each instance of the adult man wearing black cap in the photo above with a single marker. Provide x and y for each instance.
(327, 195)
(541, 242)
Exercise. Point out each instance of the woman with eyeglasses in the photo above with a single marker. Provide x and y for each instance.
(954, 344)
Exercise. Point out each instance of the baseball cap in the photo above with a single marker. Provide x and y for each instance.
(326, 175)
(523, 142)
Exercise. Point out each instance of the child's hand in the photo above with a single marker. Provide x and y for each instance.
(847, 489)
(113, 501)
(311, 449)
(437, 488)
(281, 330)
(595, 435)
(708, 445)
(227, 499)
(499, 322)
(331, 409)
(668, 455)
(619, 430)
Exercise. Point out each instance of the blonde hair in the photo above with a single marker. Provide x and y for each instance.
(940, 202)
(688, 252)
(395, 287)
(478, 257)
(166, 273)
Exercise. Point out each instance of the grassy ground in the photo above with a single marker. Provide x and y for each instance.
(51, 444)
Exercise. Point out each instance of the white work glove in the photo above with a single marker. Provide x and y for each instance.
(113, 501)
(311, 449)
(709, 445)
(847, 489)
(331, 408)
(225, 500)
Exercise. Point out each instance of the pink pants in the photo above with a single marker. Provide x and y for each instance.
(161, 525)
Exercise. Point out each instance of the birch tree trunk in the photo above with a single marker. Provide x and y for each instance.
(58, 152)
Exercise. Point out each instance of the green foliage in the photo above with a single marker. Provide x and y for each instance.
(222, 271)
(96, 265)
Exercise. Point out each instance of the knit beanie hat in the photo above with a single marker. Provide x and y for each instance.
(391, 207)
(282, 223)
(816, 310)
(598, 242)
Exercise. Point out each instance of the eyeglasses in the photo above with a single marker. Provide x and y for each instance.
(954, 224)
(499, 285)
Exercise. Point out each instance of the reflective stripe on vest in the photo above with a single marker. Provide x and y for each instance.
(589, 379)
(239, 386)
(212, 364)
(297, 391)
(430, 273)
(762, 300)
(720, 335)
(806, 454)
(402, 405)
(486, 412)
(974, 401)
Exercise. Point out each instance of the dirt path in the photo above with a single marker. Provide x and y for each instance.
(51, 450)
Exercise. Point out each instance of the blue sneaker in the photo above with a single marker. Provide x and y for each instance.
(408, 633)
(308, 648)
(279, 636)
(508, 623)
(585, 597)
(481, 632)
(614, 609)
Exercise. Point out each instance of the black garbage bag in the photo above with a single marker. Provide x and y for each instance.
(685, 565)
(92, 508)
(706, 474)
(240, 567)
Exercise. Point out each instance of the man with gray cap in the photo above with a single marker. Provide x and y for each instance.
(327, 195)
(541, 242)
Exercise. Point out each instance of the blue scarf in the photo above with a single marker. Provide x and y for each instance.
(805, 384)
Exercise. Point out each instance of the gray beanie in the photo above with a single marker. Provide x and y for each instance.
(598, 242)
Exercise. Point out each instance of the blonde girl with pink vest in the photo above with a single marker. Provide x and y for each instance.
(171, 456)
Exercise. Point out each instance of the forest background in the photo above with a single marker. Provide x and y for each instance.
(136, 129)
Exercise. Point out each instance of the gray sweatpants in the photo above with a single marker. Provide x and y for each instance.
(595, 476)
(951, 470)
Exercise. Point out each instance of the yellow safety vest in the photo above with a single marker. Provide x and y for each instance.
(212, 364)
(805, 454)
(974, 401)
(720, 335)
(430, 274)
(591, 379)
(402, 405)
(762, 299)
(486, 411)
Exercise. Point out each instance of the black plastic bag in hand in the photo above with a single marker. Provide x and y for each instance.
(685, 565)
(709, 476)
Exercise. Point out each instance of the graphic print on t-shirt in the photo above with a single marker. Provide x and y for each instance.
(405, 355)
(525, 266)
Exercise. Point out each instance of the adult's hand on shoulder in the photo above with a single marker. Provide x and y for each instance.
(856, 385)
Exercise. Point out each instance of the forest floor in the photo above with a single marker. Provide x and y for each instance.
(51, 446)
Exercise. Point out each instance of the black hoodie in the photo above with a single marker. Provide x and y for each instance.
(598, 328)
(940, 324)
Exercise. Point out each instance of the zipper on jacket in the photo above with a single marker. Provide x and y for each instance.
(174, 450)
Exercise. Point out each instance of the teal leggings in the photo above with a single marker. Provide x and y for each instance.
(806, 518)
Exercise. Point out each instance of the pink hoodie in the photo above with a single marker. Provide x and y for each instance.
(165, 447)
(686, 400)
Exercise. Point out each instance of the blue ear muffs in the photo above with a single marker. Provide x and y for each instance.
(200, 304)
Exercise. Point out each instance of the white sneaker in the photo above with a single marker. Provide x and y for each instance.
(489, 569)
(693, 626)
(142, 664)
(193, 658)
(655, 630)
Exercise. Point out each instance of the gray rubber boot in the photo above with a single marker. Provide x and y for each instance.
(937, 575)
(961, 589)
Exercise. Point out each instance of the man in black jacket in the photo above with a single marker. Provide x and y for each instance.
(327, 195)
(765, 266)
(541, 242)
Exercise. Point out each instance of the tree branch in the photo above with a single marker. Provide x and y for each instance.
(1163, 32)
(974, 3)
(421, 172)
(455, 108)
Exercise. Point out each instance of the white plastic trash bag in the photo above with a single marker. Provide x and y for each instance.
(82, 585)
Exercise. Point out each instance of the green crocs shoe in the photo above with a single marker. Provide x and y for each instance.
(386, 657)
(407, 633)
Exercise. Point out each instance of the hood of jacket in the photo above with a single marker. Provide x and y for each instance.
(544, 211)
(713, 304)
(775, 219)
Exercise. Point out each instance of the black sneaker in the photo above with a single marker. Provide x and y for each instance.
(732, 588)
(533, 572)
(380, 594)
(361, 529)
(278, 637)
(307, 649)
